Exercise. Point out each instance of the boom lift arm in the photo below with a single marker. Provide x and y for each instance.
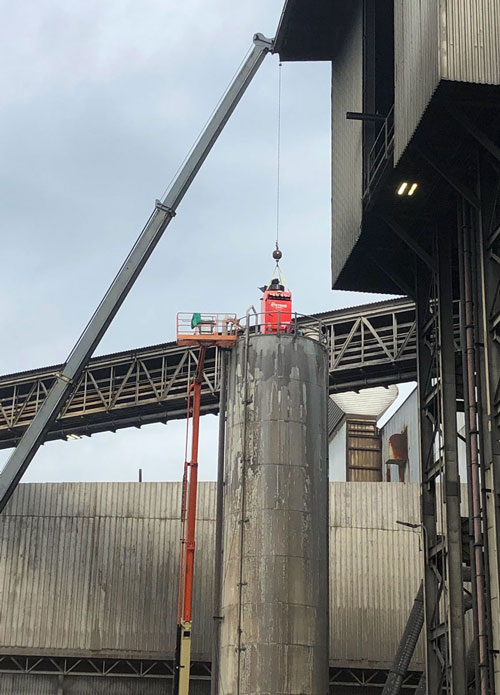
(161, 216)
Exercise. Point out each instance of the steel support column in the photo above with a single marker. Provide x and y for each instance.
(443, 580)
(488, 348)
(428, 421)
(450, 488)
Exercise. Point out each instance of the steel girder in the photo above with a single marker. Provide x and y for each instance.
(163, 669)
(370, 345)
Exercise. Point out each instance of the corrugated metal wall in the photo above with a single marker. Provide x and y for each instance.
(374, 570)
(457, 40)
(24, 684)
(31, 684)
(416, 58)
(347, 158)
(471, 41)
(91, 569)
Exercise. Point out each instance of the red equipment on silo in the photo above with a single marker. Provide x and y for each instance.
(276, 308)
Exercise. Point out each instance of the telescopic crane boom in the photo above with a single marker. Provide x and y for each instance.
(160, 218)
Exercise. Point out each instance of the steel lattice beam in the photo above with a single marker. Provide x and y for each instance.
(370, 345)
(162, 669)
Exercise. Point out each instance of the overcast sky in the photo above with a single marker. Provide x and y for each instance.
(99, 104)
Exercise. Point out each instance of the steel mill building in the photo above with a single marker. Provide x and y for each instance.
(382, 582)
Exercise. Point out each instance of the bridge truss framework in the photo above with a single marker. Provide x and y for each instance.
(370, 345)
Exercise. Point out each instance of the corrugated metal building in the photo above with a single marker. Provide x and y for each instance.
(435, 40)
(89, 570)
(394, 62)
(429, 229)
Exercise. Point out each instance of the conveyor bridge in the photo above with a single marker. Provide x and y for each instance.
(369, 345)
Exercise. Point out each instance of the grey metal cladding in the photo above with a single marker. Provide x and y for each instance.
(31, 684)
(416, 42)
(470, 41)
(456, 40)
(375, 569)
(347, 168)
(91, 569)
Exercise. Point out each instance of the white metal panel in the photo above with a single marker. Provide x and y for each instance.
(337, 452)
(406, 416)
(372, 401)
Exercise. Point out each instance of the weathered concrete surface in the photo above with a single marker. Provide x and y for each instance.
(274, 636)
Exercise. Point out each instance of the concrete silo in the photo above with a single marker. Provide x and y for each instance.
(274, 631)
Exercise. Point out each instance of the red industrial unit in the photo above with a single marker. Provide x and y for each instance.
(276, 308)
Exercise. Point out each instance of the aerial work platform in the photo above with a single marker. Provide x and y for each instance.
(207, 329)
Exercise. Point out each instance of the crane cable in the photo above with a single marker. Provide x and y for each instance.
(277, 255)
(278, 153)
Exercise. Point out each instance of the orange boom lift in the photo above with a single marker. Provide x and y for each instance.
(203, 330)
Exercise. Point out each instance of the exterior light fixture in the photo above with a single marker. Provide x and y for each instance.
(72, 436)
(406, 188)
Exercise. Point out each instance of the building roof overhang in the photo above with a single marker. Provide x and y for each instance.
(305, 30)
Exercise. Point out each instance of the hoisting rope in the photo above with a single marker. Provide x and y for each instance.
(278, 153)
(278, 273)
(277, 255)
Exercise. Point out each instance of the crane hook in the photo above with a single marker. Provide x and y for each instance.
(277, 255)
